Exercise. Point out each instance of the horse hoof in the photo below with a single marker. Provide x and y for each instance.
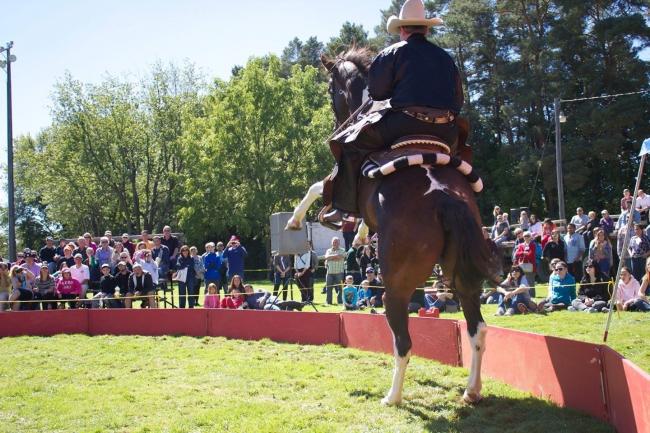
(293, 225)
(390, 401)
(472, 398)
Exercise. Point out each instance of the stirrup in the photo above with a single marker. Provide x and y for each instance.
(327, 211)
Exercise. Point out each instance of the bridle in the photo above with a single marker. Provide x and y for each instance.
(335, 77)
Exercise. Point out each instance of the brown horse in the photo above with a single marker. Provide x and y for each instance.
(423, 215)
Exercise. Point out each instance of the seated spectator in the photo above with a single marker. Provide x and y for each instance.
(593, 294)
(255, 300)
(628, 290)
(524, 221)
(122, 275)
(588, 229)
(89, 241)
(45, 288)
(600, 251)
(561, 289)
(626, 201)
(93, 270)
(547, 230)
(375, 289)
(526, 259)
(641, 302)
(30, 263)
(500, 231)
(555, 248)
(127, 244)
(149, 265)
(579, 219)
(643, 204)
(350, 295)
(141, 285)
(109, 235)
(67, 288)
(126, 258)
(5, 286)
(81, 273)
(441, 298)
(362, 294)
(139, 252)
(104, 254)
(606, 223)
(233, 300)
(513, 296)
(212, 297)
(144, 239)
(535, 227)
(47, 254)
(22, 282)
(81, 248)
(107, 288)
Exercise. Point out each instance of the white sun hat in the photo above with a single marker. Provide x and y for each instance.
(412, 14)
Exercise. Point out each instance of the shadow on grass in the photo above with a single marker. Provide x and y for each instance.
(494, 414)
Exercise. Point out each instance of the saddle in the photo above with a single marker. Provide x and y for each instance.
(409, 145)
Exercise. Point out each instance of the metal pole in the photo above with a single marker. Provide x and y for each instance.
(558, 161)
(626, 243)
(10, 163)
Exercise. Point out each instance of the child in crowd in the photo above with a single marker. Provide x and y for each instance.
(234, 301)
(362, 294)
(350, 295)
(212, 298)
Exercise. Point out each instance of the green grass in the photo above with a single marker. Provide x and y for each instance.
(75, 383)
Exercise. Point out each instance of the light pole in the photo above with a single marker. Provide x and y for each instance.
(10, 154)
(558, 159)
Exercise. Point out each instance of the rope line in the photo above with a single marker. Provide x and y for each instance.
(605, 96)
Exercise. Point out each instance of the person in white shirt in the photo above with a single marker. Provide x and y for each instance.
(580, 219)
(81, 273)
(643, 203)
(149, 265)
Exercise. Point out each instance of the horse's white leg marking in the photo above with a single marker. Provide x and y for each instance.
(394, 396)
(362, 233)
(315, 191)
(435, 185)
(477, 342)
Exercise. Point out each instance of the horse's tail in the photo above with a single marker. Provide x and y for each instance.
(474, 261)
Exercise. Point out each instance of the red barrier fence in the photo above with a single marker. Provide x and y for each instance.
(584, 376)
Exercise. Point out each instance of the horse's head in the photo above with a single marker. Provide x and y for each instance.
(348, 80)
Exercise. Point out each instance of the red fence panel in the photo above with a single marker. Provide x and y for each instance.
(285, 326)
(565, 371)
(628, 393)
(43, 323)
(154, 322)
(432, 338)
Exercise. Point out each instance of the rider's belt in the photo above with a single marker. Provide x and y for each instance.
(429, 115)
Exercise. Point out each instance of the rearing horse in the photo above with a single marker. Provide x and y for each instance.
(423, 215)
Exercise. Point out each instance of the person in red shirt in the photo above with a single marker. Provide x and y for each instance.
(525, 258)
(234, 301)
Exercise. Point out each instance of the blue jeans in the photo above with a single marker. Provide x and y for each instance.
(522, 298)
(333, 281)
(638, 267)
(188, 288)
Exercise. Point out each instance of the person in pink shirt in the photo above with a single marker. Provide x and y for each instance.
(234, 301)
(211, 298)
(68, 288)
(628, 290)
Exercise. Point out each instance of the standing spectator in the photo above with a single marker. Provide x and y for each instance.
(93, 270)
(172, 243)
(606, 222)
(5, 285)
(160, 254)
(352, 264)
(526, 259)
(643, 204)
(368, 259)
(144, 239)
(561, 289)
(621, 224)
(305, 266)
(575, 249)
(212, 265)
(141, 285)
(519, 239)
(524, 221)
(495, 213)
(47, 254)
(349, 229)
(626, 201)
(535, 227)
(600, 251)
(81, 273)
(107, 286)
(104, 254)
(638, 250)
(579, 219)
(235, 254)
(593, 294)
(281, 274)
(199, 271)
(67, 288)
(127, 244)
(335, 264)
(89, 241)
(109, 235)
(223, 271)
(187, 288)
(555, 248)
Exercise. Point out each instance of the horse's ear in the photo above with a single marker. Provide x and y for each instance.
(327, 61)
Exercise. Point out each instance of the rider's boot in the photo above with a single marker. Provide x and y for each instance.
(344, 195)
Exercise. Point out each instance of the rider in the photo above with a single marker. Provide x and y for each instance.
(417, 91)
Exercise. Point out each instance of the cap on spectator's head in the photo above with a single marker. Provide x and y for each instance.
(125, 235)
(370, 269)
(137, 265)
(106, 265)
(64, 270)
(108, 233)
(78, 256)
(49, 238)
(27, 251)
(233, 238)
(121, 264)
(44, 265)
(527, 234)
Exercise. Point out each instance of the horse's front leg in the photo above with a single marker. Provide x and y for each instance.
(477, 331)
(396, 304)
(295, 222)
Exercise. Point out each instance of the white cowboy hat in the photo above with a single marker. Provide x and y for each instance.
(412, 14)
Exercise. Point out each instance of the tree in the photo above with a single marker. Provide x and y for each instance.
(349, 35)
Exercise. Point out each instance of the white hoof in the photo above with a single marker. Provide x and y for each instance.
(472, 398)
(292, 224)
(391, 401)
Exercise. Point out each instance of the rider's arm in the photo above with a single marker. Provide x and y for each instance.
(381, 76)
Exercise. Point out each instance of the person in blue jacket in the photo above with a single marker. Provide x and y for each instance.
(212, 265)
(235, 253)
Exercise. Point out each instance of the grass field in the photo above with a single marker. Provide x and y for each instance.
(75, 384)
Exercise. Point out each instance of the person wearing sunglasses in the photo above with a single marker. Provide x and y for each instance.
(561, 289)
(593, 294)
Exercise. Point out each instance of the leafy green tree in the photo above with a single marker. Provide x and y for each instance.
(349, 35)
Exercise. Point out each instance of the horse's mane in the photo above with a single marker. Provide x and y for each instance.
(360, 56)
